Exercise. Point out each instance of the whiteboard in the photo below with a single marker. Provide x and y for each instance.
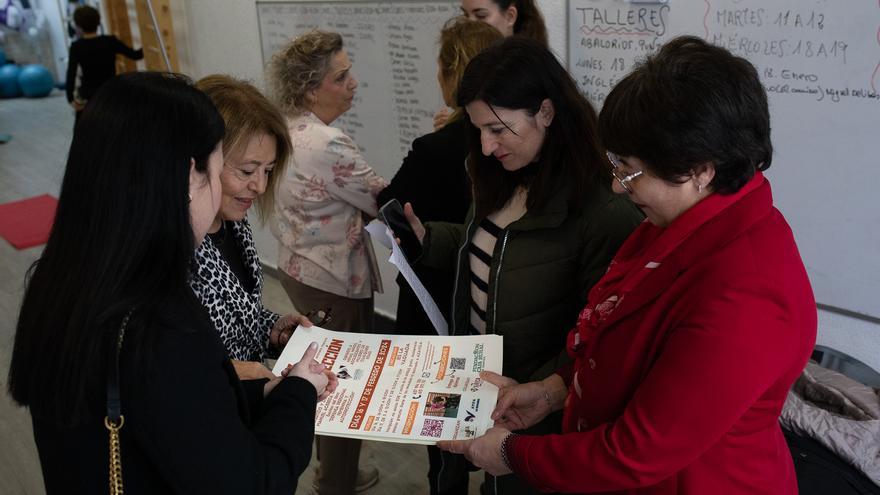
(393, 48)
(820, 63)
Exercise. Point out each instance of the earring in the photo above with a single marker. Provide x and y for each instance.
(699, 188)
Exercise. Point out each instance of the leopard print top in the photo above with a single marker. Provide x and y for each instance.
(239, 316)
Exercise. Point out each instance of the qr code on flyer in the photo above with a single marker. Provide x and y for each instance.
(432, 428)
(456, 363)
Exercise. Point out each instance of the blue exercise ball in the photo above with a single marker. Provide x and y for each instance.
(36, 81)
(9, 87)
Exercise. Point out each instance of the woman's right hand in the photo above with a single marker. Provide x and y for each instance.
(317, 374)
(414, 222)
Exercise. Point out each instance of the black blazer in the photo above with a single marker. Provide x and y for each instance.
(433, 177)
(190, 425)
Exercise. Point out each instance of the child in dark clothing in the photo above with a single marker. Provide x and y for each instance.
(95, 55)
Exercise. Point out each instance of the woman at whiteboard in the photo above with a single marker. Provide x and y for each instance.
(434, 180)
(544, 222)
(687, 347)
(325, 256)
(509, 17)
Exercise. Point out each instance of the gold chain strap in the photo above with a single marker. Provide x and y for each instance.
(113, 429)
(115, 456)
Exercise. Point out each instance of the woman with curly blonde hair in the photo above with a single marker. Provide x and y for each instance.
(325, 256)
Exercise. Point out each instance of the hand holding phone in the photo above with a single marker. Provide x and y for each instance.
(391, 214)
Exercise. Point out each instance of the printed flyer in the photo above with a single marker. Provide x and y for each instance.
(402, 388)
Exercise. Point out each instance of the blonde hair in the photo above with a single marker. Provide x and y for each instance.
(247, 113)
(299, 67)
(460, 41)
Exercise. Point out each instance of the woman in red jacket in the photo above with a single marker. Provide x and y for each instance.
(688, 345)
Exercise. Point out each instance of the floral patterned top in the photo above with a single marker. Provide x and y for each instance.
(319, 211)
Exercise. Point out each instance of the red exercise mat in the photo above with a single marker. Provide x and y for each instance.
(27, 223)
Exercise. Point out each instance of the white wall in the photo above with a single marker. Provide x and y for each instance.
(858, 338)
(222, 36)
(57, 33)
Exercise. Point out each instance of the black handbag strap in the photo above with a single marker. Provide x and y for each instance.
(114, 403)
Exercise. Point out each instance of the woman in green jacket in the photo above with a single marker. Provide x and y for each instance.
(544, 224)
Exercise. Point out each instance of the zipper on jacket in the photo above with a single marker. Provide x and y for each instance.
(452, 315)
(497, 276)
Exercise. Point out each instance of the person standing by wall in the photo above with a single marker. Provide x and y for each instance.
(326, 257)
(92, 57)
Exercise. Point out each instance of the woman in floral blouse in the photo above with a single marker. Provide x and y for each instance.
(325, 255)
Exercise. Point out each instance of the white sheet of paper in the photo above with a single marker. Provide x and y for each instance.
(383, 234)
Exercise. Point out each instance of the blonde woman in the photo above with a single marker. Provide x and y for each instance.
(510, 18)
(325, 255)
(228, 279)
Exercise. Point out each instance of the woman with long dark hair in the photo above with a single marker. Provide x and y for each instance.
(544, 222)
(433, 179)
(111, 338)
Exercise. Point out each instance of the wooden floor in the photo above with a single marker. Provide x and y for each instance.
(32, 164)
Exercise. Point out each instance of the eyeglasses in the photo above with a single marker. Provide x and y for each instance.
(618, 174)
(320, 317)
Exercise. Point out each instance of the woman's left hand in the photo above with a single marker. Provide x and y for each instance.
(484, 452)
(284, 328)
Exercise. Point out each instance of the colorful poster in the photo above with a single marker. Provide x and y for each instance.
(402, 388)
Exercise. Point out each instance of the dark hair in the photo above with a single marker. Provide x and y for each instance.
(87, 18)
(122, 237)
(529, 21)
(691, 103)
(520, 73)
(247, 113)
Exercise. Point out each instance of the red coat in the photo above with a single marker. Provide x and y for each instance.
(680, 390)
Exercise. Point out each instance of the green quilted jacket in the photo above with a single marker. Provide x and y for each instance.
(543, 266)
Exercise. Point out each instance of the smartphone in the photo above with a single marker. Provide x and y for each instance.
(391, 213)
